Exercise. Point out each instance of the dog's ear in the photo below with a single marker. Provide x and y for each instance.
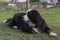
(33, 13)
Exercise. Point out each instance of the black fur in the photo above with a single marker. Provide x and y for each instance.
(34, 17)
(37, 19)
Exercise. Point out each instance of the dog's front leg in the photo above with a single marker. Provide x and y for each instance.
(35, 30)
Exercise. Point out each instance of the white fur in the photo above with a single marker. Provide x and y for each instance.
(35, 30)
(52, 34)
(29, 10)
(26, 18)
(15, 27)
(31, 24)
(4, 21)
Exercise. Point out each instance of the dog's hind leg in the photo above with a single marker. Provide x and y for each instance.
(46, 29)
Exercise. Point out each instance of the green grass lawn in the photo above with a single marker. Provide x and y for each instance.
(52, 18)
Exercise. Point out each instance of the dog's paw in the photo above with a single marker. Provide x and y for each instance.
(15, 27)
(35, 30)
(52, 34)
(4, 21)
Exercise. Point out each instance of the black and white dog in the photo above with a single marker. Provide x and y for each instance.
(31, 21)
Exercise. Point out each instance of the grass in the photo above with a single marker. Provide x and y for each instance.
(52, 18)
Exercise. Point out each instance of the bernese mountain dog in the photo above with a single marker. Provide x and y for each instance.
(31, 21)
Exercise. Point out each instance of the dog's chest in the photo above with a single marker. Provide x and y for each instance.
(27, 20)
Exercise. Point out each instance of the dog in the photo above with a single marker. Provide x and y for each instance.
(31, 21)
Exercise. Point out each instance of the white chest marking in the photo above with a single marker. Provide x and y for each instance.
(27, 20)
(31, 24)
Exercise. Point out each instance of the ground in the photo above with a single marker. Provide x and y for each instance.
(52, 18)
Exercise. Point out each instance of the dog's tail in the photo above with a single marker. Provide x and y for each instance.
(7, 20)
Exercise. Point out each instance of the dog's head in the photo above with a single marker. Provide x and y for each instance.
(34, 16)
